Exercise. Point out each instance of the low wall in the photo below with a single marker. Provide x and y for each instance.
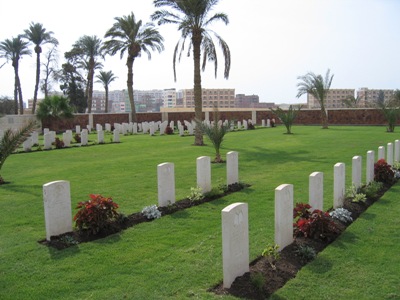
(356, 116)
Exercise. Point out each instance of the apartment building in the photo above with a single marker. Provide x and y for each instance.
(335, 98)
(370, 96)
(222, 98)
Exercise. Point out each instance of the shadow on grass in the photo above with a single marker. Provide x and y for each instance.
(345, 238)
(34, 190)
(320, 266)
(56, 254)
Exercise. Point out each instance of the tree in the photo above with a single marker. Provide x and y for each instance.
(11, 140)
(89, 49)
(351, 101)
(6, 106)
(390, 110)
(106, 78)
(54, 107)
(287, 117)
(13, 50)
(193, 18)
(50, 71)
(38, 36)
(318, 87)
(131, 36)
(215, 132)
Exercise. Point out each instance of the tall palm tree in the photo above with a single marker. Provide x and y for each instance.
(193, 18)
(12, 139)
(133, 37)
(13, 50)
(318, 87)
(89, 49)
(106, 78)
(38, 36)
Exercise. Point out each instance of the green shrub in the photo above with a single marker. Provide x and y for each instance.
(306, 253)
(96, 214)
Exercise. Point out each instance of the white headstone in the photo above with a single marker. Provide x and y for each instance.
(339, 184)
(99, 127)
(181, 130)
(397, 150)
(316, 190)
(232, 167)
(166, 184)
(389, 159)
(204, 173)
(245, 126)
(89, 128)
(78, 129)
(47, 141)
(116, 136)
(69, 134)
(135, 128)
(46, 130)
(284, 215)
(84, 137)
(66, 139)
(152, 129)
(381, 152)
(239, 125)
(35, 138)
(57, 208)
(27, 145)
(100, 136)
(108, 127)
(370, 166)
(53, 136)
(268, 123)
(262, 123)
(235, 242)
(356, 171)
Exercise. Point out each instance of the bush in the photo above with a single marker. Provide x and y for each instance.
(168, 130)
(151, 212)
(314, 225)
(355, 194)
(306, 253)
(59, 144)
(77, 137)
(372, 189)
(342, 215)
(96, 214)
(195, 194)
(383, 172)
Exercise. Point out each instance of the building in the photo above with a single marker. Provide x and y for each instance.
(222, 98)
(170, 96)
(368, 97)
(251, 101)
(335, 98)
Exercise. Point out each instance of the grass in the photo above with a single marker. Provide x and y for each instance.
(177, 256)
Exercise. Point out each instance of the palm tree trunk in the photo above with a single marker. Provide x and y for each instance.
(90, 85)
(324, 117)
(37, 50)
(18, 87)
(15, 91)
(129, 83)
(198, 103)
(106, 104)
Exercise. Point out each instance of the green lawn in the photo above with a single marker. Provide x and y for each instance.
(179, 256)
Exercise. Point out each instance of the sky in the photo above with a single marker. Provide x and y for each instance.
(272, 43)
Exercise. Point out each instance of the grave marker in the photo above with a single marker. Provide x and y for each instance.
(232, 167)
(356, 171)
(204, 173)
(166, 184)
(316, 190)
(339, 185)
(284, 215)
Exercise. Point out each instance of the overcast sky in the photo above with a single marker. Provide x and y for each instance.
(272, 42)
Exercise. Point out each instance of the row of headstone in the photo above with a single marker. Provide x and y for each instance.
(166, 176)
(234, 218)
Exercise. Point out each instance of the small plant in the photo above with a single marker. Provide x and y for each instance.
(250, 126)
(342, 215)
(96, 213)
(223, 187)
(355, 194)
(59, 144)
(258, 280)
(302, 210)
(68, 240)
(168, 130)
(272, 254)
(372, 189)
(306, 253)
(396, 166)
(383, 172)
(151, 212)
(195, 194)
(77, 138)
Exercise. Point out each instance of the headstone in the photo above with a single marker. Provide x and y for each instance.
(47, 141)
(381, 152)
(66, 139)
(35, 138)
(316, 190)
(100, 136)
(389, 159)
(245, 126)
(135, 128)
(166, 184)
(116, 136)
(108, 127)
(57, 208)
(89, 128)
(27, 144)
(235, 242)
(397, 150)
(356, 171)
(78, 129)
(171, 124)
(99, 127)
(268, 123)
(339, 181)
(181, 131)
(284, 215)
(239, 125)
(125, 128)
(46, 130)
(140, 127)
(84, 137)
(130, 127)
(152, 129)
(232, 167)
(370, 166)
(53, 136)
(204, 173)
(262, 123)
(69, 135)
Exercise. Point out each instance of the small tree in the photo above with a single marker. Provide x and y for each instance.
(215, 132)
(54, 107)
(11, 140)
(390, 110)
(287, 117)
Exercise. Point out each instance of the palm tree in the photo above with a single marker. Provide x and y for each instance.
(13, 50)
(106, 78)
(131, 36)
(318, 87)
(351, 101)
(54, 107)
(287, 117)
(89, 48)
(11, 141)
(192, 18)
(38, 36)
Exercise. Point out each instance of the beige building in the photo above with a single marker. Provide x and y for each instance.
(334, 98)
(370, 96)
(222, 98)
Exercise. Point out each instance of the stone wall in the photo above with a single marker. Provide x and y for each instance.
(15, 121)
